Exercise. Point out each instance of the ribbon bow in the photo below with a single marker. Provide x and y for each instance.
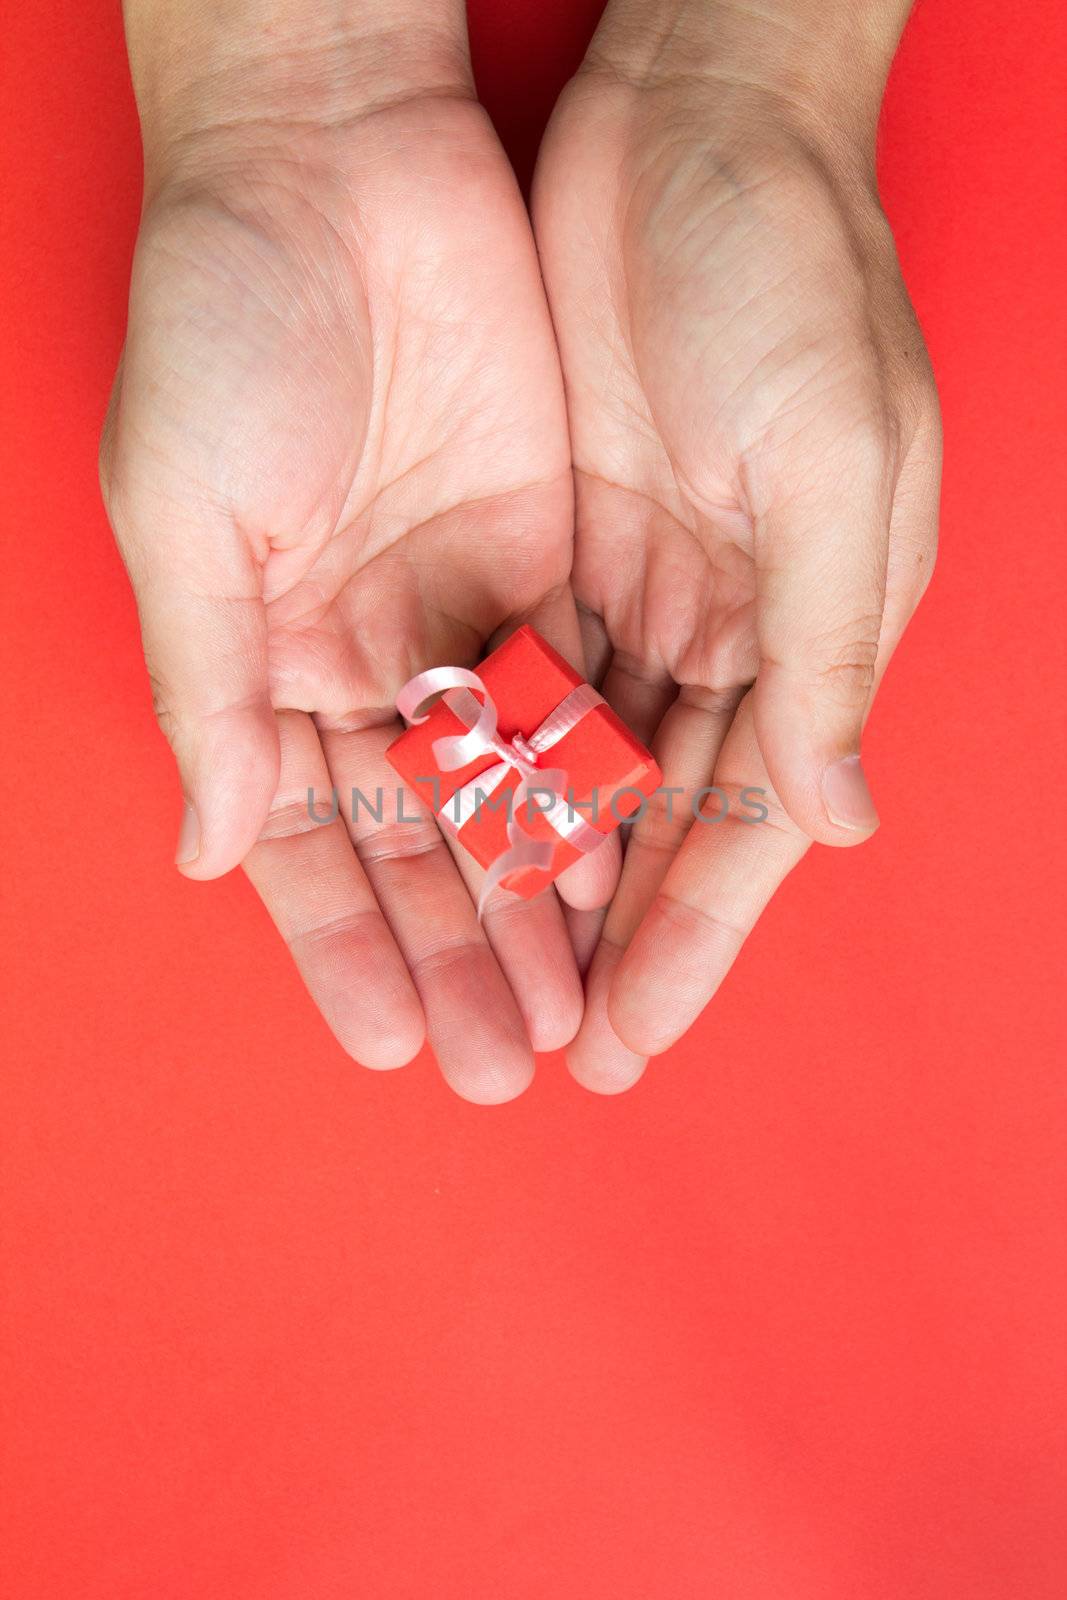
(521, 754)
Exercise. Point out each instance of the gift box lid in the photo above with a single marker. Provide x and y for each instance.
(528, 679)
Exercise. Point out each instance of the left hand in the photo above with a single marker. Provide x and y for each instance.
(756, 444)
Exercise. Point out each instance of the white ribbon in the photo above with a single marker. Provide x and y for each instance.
(521, 754)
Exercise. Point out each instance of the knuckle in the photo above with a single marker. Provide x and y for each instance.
(398, 841)
(443, 953)
(289, 817)
(360, 927)
(661, 824)
(847, 682)
(777, 819)
(702, 923)
(846, 658)
(504, 911)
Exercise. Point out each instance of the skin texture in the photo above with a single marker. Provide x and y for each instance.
(340, 450)
(756, 448)
(336, 454)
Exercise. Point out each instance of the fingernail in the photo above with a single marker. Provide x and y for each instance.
(846, 796)
(188, 838)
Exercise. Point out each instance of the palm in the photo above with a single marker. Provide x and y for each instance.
(375, 392)
(455, 513)
(359, 378)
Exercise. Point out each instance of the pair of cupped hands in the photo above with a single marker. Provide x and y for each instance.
(372, 414)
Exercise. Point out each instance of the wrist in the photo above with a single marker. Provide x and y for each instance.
(819, 64)
(242, 72)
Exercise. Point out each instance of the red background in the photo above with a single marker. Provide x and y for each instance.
(786, 1322)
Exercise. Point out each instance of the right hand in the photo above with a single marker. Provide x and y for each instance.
(756, 448)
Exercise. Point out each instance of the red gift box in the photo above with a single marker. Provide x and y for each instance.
(600, 757)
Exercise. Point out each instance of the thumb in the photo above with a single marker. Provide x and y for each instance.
(203, 625)
(822, 544)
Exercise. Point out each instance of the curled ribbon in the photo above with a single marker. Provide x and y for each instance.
(521, 754)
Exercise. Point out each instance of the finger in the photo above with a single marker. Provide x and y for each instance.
(472, 1020)
(686, 747)
(709, 900)
(638, 692)
(589, 883)
(529, 939)
(583, 929)
(309, 879)
(597, 1058)
(204, 631)
(726, 872)
(822, 541)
